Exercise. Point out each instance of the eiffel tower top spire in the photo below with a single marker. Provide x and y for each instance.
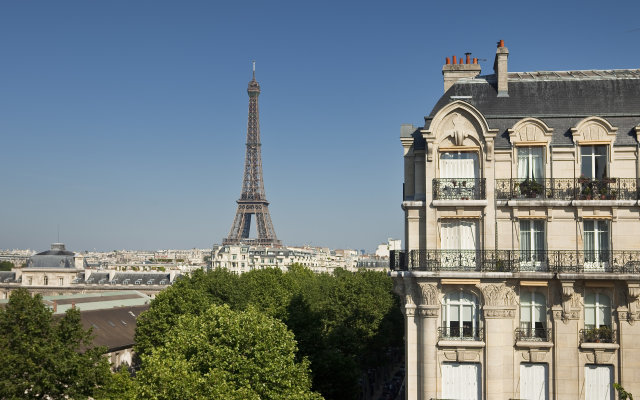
(253, 199)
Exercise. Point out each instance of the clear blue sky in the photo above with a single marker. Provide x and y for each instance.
(125, 121)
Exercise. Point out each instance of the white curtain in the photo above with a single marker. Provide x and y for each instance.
(461, 381)
(533, 381)
(459, 165)
(458, 235)
(530, 165)
(598, 382)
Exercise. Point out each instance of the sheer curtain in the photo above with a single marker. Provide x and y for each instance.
(533, 381)
(459, 165)
(530, 165)
(598, 381)
(459, 235)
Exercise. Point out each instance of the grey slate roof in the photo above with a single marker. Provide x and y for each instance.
(561, 99)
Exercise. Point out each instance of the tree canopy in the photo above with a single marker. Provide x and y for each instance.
(46, 357)
(344, 323)
(227, 354)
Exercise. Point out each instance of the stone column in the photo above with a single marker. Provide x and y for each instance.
(629, 327)
(565, 339)
(500, 304)
(411, 351)
(429, 311)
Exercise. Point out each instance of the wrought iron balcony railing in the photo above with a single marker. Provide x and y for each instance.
(557, 261)
(568, 189)
(459, 189)
(598, 335)
(461, 333)
(533, 335)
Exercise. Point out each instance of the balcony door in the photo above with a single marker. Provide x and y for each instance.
(596, 245)
(458, 175)
(532, 245)
(458, 244)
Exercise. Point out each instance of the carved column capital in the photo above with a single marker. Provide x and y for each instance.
(429, 311)
(498, 294)
(429, 294)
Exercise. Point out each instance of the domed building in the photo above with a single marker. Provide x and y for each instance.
(55, 267)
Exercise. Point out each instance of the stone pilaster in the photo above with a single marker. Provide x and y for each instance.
(499, 312)
(429, 312)
(566, 319)
(411, 351)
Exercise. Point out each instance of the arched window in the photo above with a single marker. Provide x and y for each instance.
(597, 311)
(533, 315)
(46, 280)
(460, 316)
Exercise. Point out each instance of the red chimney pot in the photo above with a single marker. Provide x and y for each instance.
(455, 60)
(468, 59)
(501, 43)
(448, 61)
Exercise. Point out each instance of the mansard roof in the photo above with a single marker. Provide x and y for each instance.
(559, 98)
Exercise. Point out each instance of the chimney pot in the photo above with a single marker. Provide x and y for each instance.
(455, 60)
(475, 60)
(448, 61)
(501, 43)
(460, 60)
(468, 58)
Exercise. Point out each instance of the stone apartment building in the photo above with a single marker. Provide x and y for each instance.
(521, 269)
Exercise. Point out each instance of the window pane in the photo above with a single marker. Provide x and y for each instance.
(589, 317)
(525, 313)
(466, 313)
(587, 162)
(454, 313)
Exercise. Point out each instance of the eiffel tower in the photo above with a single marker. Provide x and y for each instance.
(252, 200)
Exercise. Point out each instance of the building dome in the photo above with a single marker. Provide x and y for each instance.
(57, 257)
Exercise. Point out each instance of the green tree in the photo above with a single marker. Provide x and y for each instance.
(46, 357)
(227, 354)
(6, 265)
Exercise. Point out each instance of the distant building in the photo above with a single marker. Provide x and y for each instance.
(244, 258)
(59, 272)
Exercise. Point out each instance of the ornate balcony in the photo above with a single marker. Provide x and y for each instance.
(459, 189)
(568, 189)
(533, 335)
(461, 333)
(556, 261)
(598, 335)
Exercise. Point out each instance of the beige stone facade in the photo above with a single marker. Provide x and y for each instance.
(521, 271)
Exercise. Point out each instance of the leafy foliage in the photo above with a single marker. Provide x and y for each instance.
(225, 354)
(624, 395)
(344, 323)
(6, 265)
(46, 357)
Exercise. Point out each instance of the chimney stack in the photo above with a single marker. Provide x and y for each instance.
(500, 68)
(458, 69)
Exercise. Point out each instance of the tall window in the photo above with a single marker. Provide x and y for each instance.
(458, 173)
(534, 383)
(596, 244)
(460, 315)
(532, 244)
(598, 382)
(597, 311)
(533, 314)
(459, 242)
(594, 162)
(46, 280)
(462, 164)
(530, 165)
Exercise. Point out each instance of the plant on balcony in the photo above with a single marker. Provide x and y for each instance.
(597, 335)
(531, 188)
(583, 179)
(613, 194)
(587, 192)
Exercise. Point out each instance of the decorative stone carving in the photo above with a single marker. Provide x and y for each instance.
(593, 129)
(451, 355)
(409, 311)
(530, 130)
(467, 355)
(603, 357)
(499, 312)
(458, 128)
(525, 355)
(498, 294)
(430, 294)
(429, 312)
(633, 296)
(537, 355)
(571, 302)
